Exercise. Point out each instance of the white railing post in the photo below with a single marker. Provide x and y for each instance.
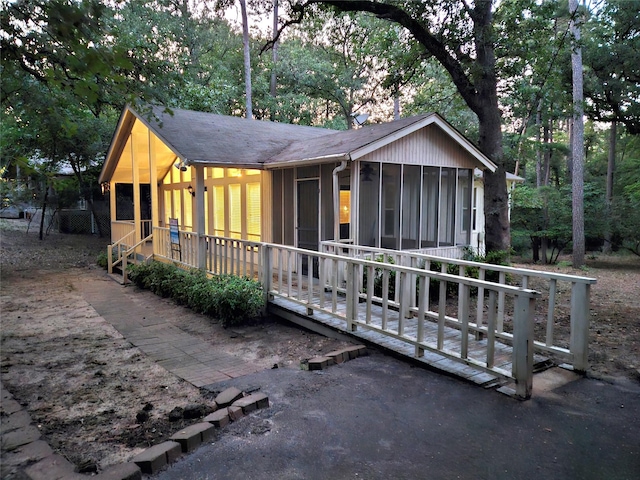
(352, 295)
(202, 251)
(522, 366)
(267, 275)
(579, 341)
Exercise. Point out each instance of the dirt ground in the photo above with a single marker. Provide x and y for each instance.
(84, 384)
(80, 380)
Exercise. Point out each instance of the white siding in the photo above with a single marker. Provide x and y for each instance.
(428, 146)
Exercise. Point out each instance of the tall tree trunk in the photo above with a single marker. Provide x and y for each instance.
(548, 140)
(274, 52)
(577, 144)
(569, 176)
(247, 59)
(539, 145)
(44, 209)
(396, 106)
(496, 199)
(611, 166)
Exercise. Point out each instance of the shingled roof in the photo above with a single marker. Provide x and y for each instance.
(342, 144)
(220, 140)
(223, 140)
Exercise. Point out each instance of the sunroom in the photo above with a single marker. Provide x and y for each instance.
(401, 185)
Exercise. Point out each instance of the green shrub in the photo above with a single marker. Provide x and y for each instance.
(378, 278)
(138, 273)
(102, 260)
(202, 298)
(237, 299)
(233, 300)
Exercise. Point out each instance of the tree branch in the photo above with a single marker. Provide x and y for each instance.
(395, 14)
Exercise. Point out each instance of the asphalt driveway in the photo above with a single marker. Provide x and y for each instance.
(376, 417)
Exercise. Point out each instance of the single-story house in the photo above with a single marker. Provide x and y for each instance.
(406, 184)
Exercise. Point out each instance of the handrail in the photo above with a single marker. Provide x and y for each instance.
(112, 263)
(128, 252)
(466, 263)
(401, 321)
(123, 250)
(320, 280)
(577, 351)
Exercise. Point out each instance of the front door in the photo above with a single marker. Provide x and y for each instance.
(308, 235)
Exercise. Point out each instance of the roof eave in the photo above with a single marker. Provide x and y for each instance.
(335, 157)
(118, 141)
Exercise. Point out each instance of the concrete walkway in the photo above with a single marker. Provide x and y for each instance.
(179, 352)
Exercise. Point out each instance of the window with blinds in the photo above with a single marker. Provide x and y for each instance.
(218, 211)
(253, 211)
(235, 211)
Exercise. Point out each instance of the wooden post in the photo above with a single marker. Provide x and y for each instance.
(403, 310)
(553, 284)
(153, 187)
(463, 318)
(200, 219)
(423, 291)
(352, 296)
(491, 328)
(265, 267)
(110, 258)
(522, 364)
(124, 269)
(112, 209)
(579, 342)
(480, 304)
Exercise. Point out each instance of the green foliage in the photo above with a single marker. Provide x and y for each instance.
(378, 277)
(233, 300)
(237, 299)
(102, 260)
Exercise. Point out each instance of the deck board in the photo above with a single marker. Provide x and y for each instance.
(452, 337)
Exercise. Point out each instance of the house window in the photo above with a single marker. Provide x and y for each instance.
(369, 204)
(474, 209)
(253, 211)
(345, 206)
(447, 206)
(167, 206)
(430, 210)
(187, 205)
(463, 213)
(235, 211)
(410, 206)
(218, 211)
(390, 205)
(214, 172)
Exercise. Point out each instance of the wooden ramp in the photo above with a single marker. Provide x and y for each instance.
(373, 335)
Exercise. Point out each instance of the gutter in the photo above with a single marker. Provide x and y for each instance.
(336, 157)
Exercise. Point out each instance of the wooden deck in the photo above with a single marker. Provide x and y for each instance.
(385, 338)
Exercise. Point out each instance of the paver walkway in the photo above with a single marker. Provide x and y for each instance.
(180, 352)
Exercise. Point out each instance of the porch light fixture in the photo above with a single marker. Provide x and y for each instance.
(104, 186)
(191, 191)
(181, 166)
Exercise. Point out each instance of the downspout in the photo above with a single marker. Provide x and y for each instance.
(336, 200)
